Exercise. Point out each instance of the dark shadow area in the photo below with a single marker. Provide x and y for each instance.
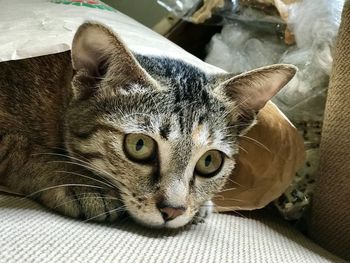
(193, 38)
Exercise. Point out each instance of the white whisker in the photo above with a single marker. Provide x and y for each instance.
(62, 185)
(86, 197)
(121, 208)
(257, 142)
(84, 164)
(88, 177)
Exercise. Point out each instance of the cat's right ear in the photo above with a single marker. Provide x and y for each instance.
(250, 91)
(99, 55)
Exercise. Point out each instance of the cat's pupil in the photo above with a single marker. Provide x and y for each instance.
(140, 143)
(207, 160)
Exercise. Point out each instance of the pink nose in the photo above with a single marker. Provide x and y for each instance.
(170, 212)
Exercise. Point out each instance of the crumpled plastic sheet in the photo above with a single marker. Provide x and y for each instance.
(230, 11)
(315, 25)
(238, 49)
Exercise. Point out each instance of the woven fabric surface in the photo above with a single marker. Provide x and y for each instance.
(29, 233)
(330, 215)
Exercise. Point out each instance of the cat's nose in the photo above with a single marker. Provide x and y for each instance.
(170, 212)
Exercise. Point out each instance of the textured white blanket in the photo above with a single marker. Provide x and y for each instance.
(30, 234)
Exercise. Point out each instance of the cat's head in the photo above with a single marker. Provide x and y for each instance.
(164, 133)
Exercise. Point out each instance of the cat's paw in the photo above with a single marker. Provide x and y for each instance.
(84, 203)
(204, 212)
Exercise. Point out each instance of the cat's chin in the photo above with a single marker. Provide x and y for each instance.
(158, 222)
(178, 222)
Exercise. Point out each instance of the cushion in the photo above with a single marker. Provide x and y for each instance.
(28, 233)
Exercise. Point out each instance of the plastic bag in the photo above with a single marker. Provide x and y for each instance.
(239, 48)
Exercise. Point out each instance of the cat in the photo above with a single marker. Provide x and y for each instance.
(99, 131)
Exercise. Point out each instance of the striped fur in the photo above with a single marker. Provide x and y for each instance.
(63, 124)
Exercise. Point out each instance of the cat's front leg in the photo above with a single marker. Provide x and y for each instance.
(84, 201)
(65, 187)
(204, 212)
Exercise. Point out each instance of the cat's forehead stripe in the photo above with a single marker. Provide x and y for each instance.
(164, 130)
(201, 135)
(185, 102)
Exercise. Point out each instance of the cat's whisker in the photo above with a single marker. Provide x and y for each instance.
(61, 185)
(84, 164)
(88, 177)
(255, 141)
(244, 188)
(224, 209)
(138, 113)
(99, 195)
(95, 168)
(86, 198)
(241, 103)
(234, 182)
(231, 199)
(228, 189)
(68, 156)
(235, 126)
(112, 177)
(86, 167)
(121, 208)
(240, 214)
(221, 197)
(244, 150)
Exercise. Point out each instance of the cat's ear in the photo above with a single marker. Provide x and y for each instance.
(99, 54)
(250, 91)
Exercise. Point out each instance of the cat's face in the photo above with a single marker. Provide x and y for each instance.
(157, 150)
(163, 132)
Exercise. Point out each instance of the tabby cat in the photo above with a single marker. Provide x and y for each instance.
(99, 132)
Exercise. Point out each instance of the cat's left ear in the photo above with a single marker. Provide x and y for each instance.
(250, 91)
(99, 54)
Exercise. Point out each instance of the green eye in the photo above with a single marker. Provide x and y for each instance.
(139, 147)
(209, 163)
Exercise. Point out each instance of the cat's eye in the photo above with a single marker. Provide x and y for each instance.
(209, 164)
(139, 147)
